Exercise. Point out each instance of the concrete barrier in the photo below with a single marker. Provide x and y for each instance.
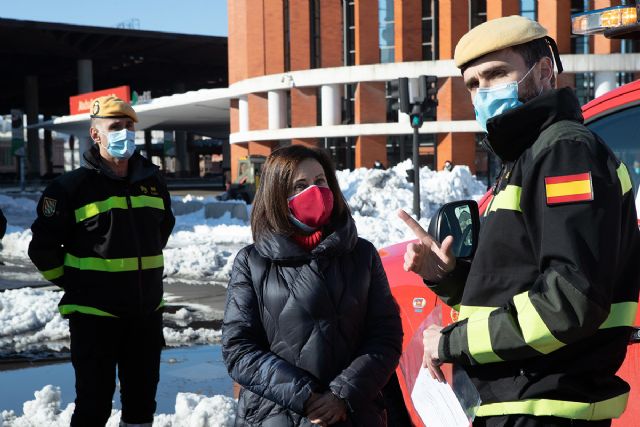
(237, 210)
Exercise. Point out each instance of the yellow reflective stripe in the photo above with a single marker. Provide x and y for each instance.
(509, 198)
(535, 332)
(162, 304)
(54, 273)
(625, 179)
(73, 308)
(479, 338)
(621, 314)
(117, 202)
(603, 410)
(147, 202)
(114, 264)
(467, 310)
(569, 188)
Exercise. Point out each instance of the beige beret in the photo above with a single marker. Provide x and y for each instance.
(112, 107)
(494, 35)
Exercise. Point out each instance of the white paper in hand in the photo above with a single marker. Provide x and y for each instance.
(436, 402)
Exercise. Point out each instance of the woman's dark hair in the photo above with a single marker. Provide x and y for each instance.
(270, 213)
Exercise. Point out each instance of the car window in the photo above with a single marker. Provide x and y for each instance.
(620, 131)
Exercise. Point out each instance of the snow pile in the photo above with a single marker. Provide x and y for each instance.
(203, 249)
(174, 337)
(29, 319)
(192, 410)
(376, 195)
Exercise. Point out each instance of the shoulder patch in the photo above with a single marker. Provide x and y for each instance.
(568, 188)
(49, 206)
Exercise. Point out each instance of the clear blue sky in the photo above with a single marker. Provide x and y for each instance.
(207, 17)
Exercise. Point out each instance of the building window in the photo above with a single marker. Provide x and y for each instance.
(287, 50)
(385, 26)
(429, 30)
(585, 82)
(528, 9)
(477, 12)
(314, 29)
(349, 32)
(348, 104)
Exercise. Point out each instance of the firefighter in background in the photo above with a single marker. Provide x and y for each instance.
(546, 305)
(99, 235)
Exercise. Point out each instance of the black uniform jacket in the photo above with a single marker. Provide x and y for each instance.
(548, 301)
(298, 322)
(100, 237)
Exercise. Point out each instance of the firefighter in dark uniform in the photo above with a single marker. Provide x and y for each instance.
(99, 235)
(547, 304)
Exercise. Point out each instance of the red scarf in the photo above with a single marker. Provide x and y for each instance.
(309, 242)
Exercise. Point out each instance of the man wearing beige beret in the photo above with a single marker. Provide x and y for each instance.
(547, 304)
(99, 235)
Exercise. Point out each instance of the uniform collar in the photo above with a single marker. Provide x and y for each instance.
(511, 133)
(139, 167)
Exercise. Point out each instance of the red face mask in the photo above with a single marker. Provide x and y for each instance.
(311, 208)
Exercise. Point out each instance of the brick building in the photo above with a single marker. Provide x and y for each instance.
(321, 72)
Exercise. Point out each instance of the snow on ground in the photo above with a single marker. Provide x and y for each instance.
(203, 249)
(191, 410)
(29, 321)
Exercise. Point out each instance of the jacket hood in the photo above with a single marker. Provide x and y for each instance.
(511, 133)
(277, 247)
(139, 167)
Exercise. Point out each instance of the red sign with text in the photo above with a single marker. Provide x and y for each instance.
(79, 104)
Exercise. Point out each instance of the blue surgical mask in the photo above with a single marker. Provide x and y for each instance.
(637, 171)
(122, 143)
(492, 101)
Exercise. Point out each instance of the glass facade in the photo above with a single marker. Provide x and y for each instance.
(314, 36)
(386, 31)
(528, 9)
(429, 30)
(477, 12)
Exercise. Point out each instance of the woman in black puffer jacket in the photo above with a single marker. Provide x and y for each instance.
(311, 331)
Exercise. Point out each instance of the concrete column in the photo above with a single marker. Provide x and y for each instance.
(407, 30)
(243, 112)
(604, 82)
(85, 75)
(48, 152)
(500, 8)
(331, 99)
(277, 105)
(331, 33)
(33, 139)
(182, 162)
(147, 143)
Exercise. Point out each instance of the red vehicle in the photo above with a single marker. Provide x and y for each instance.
(615, 117)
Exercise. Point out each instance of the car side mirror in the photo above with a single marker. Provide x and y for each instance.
(460, 220)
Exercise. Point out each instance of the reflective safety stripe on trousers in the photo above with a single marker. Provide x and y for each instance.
(113, 265)
(534, 331)
(603, 410)
(117, 202)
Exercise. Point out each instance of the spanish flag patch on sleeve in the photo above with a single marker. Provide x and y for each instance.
(568, 188)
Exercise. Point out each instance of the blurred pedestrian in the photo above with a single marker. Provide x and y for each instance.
(448, 166)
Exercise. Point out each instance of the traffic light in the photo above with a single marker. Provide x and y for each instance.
(399, 90)
(430, 102)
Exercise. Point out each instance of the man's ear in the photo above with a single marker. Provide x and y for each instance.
(546, 70)
(94, 135)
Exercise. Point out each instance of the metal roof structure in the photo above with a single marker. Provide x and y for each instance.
(163, 63)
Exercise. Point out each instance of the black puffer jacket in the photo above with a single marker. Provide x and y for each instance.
(299, 322)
